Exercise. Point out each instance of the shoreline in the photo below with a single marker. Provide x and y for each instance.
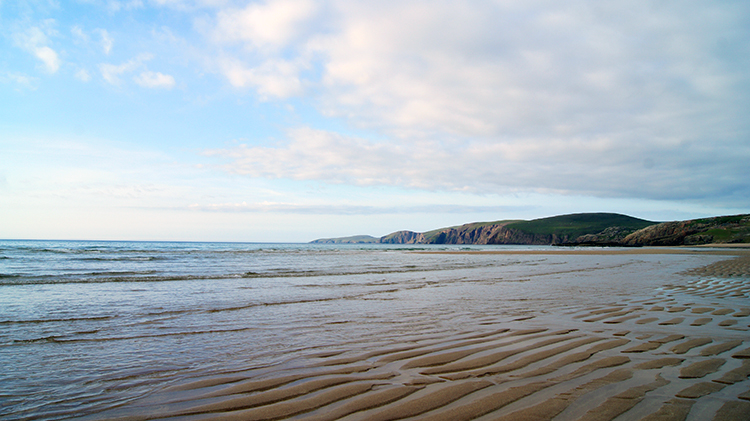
(722, 250)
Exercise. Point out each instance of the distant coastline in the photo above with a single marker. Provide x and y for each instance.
(580, 229)
(354, 239)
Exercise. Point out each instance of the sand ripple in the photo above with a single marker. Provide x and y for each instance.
(664, 356)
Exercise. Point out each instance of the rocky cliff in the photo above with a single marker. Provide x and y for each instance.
(477, 233)
(721, 229)
(403, 237)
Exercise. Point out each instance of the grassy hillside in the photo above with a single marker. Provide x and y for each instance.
(725, 229)
(720, 229)
(578, 224)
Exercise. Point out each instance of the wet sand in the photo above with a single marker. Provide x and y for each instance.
(683, 353)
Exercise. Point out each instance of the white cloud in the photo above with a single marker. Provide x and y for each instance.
(265, 29)
(111, 72)
(106, 41)
(78, 34)
(115, 6)
(34, 40)
(49, 57)
(83, 75)
(345, 209)
(274, 78)
(316, 155)
(154, 80)
(20, 79)
(268, 25)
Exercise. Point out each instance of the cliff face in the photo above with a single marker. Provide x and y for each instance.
(612, 236)
(664, 234)
(403, 237)
(472, 234)
(466, 234)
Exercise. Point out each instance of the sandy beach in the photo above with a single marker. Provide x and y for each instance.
(681, 353)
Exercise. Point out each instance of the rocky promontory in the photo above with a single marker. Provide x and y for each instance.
(582, 229)
(722, 229)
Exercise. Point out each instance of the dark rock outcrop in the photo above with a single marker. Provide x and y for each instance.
(664, 234)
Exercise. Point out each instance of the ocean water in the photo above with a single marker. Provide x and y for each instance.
(89, 326)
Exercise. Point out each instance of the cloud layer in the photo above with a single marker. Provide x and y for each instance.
(623, 99)
(639, 99)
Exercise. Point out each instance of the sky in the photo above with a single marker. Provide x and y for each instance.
(291, 120)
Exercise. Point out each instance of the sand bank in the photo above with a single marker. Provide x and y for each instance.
(682, 351)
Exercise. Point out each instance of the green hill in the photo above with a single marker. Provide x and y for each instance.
(355, 239)
(578, 224)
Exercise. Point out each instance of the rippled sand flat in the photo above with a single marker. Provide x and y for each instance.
(680, 351)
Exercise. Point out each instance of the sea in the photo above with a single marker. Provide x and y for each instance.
(87, 326)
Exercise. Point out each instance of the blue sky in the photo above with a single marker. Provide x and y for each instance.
(291, 120)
